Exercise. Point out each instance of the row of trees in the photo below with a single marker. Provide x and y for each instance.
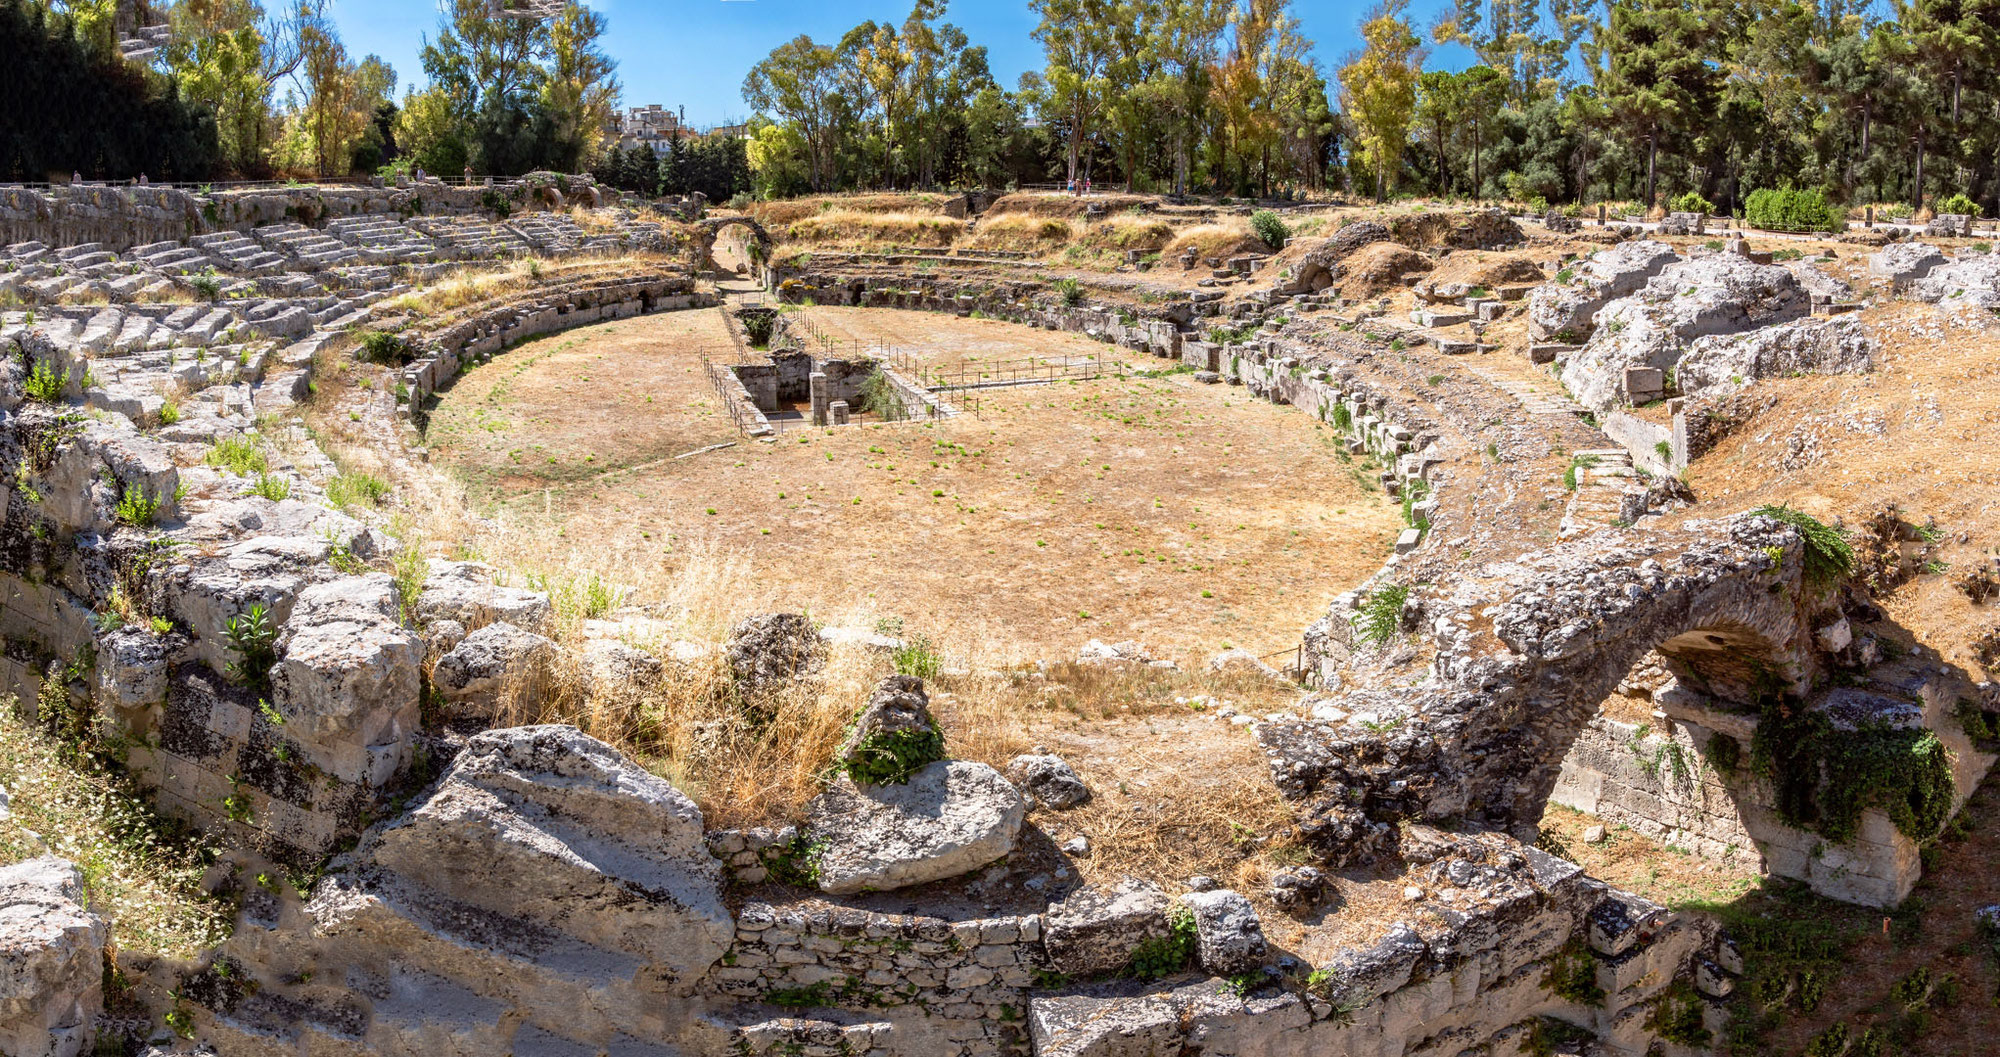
(1568, 100)
(1154, 93)
(1650, 98)
(717, 166)
(270, 90)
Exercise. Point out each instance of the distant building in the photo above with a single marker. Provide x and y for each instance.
(652, 126)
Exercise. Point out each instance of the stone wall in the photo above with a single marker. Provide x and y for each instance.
(444, 348)
(121, 217)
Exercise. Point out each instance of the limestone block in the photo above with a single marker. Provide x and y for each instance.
(51, 961)
(1229, 937)
(492, 668)
(1049, 779)
(347, 677)
(951, 818)
(547, 825)
(1095, 930)
(465, 592)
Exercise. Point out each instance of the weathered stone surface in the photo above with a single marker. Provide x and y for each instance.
(768, 651)
(548, 825)
(1095, 930)
(951, 818)
(898, 709)
(465, 592)
(347, 675)
(1229, 937)
(496, 666)
(1972, 282)
(1117, 1026)
(1836, 345)
(1903, 263)
(1567, 310)
(1049, 779)
(1720, 294)
(51, 961)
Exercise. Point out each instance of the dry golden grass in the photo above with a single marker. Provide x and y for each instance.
(1221, 239)
(1059, 204)
(470, 285)
(1022, 232)
(853, 228)
(792, 210)
(1130, 231)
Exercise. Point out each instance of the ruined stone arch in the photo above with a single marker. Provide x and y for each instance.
(706, 232)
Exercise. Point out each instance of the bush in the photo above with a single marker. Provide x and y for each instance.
(1959, 205)
(1269, 228)
(1829, 557)
(1692, 202)
(381, 346)
(1381, 614)
(1069, 290)
(1791, 210)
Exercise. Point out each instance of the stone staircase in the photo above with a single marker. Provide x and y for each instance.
(467, 239)
(171, 258)
(382, 237)
(550, 233)
(313, 249)
(239, 254)
(1608, 492)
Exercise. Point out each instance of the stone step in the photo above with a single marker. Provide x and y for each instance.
(436, 936)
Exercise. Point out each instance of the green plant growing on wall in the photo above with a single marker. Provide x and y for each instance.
(890, 758)
(136, 510)
(1572, 974)
(1829, 557)
(44, 383)
(254, 638)
(1676, 1017)
(1825, 778)
(881, 397)
(1166, 955)
(1380, 615)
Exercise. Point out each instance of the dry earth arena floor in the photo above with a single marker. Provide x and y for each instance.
(1188, 517)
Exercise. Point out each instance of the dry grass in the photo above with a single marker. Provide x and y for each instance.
(853, 228)
(141, 873)
(1059, 204)
(1131, 231)
(1222, 239)
(1022, 232)
(470, 285)
(789, 211)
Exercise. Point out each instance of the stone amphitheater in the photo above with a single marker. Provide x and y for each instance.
(407, 874)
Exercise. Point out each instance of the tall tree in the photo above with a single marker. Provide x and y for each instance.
(580, 90)
(1082, 65)
(1378, 91)
(796, 82)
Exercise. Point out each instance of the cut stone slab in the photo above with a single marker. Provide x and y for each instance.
(1095, 930)
(1229, 938)
(51, 961)
(951, 818)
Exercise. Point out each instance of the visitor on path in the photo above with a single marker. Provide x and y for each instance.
(1086, 186)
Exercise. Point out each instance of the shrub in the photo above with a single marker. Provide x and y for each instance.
(270, 486)
(135, 509)
(1270, 228)
(1572, 975)
(1381, 614)
(1692, 202)
(351, 488)
(891, 758)
(253, 636)
(381, 346)
(1069, 290)
(1829, 557)
(1168, 954)
(918, 657)
(759, 326)
(1959, 204)
(242, 455)
(45, 384)
(1791, 210)
(170, 412)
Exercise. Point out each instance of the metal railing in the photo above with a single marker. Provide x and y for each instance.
(1028, 371)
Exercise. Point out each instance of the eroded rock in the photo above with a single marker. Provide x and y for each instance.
(950, 818)
(1095, 930)
(1049, 779)
(51, 961)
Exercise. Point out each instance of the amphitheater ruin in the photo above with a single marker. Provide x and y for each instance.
(563, 625)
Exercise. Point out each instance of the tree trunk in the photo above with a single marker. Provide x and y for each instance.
(1652, 162)
(1917, 201)
(1476, 181)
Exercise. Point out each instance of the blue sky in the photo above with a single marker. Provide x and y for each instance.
(694, 53)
